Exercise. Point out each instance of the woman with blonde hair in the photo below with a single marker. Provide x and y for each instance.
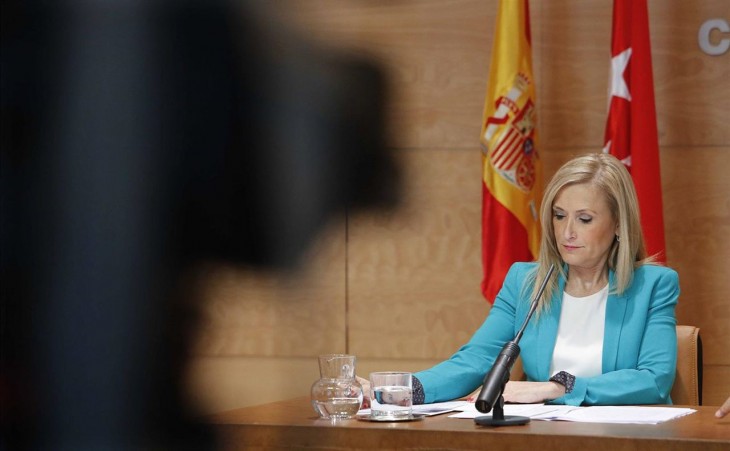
(605, 327)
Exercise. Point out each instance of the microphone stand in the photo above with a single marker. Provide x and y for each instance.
(491, 396)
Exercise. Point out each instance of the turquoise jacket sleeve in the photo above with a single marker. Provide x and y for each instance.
(465, 370)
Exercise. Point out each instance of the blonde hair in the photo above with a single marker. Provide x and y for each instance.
(606, 173)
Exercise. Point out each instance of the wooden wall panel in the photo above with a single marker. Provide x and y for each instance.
(413, 277)
(697, 223)
(437, 53)
(715, 388)
(295, 313)
(219, 383)
(572, 55)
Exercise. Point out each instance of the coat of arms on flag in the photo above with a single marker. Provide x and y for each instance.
(509, 136)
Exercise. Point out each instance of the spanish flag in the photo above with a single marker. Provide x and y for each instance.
(631, 130)
(512, 170)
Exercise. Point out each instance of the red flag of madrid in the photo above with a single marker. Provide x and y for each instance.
(631, 131)
(511, 167)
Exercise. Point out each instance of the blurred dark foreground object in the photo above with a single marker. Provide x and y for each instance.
(138, 139)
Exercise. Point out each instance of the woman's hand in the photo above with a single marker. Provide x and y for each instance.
(365, 392)
(526, 392)
(532, 392)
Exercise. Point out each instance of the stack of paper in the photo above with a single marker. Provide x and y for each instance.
(592, 414)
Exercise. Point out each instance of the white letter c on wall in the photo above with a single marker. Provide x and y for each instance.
(703, 37)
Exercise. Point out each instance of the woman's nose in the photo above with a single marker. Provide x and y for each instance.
(569, 231)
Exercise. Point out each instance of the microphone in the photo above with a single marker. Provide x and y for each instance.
(498, 375)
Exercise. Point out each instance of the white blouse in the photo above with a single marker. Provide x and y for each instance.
(579, 345)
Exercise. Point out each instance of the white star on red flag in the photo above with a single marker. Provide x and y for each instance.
(618, 82)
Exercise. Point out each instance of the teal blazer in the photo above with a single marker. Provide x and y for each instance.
(639, 343)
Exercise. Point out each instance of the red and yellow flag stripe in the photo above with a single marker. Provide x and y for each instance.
(512, 171)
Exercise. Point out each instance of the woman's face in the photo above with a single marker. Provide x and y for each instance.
(584, 226)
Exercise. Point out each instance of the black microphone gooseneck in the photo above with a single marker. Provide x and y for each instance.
(490, 397)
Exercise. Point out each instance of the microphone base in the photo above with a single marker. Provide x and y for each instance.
(508, 420)
(498, 417)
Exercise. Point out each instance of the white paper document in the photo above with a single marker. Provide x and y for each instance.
(592, 414)
(526, 410)
(432, 409)
(625, 414)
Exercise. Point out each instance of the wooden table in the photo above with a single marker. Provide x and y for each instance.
(293, 425)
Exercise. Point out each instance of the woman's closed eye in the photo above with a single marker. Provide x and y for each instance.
(559, 215)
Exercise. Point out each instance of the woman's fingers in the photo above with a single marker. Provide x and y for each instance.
(365, 392)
